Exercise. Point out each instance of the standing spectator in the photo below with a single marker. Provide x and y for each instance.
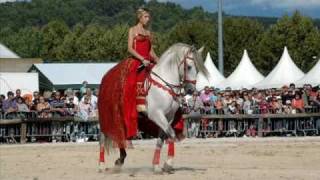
(263, 106)
(35, 100)
(22, 107)
(93, 98)
(247, 105)
(195, 104)
(85, 108)
(9, 106)
(43, 108)
(2, 98)
(205, 98)
(219, 105)
(83, 88)
(71, 96)
(275, 105)
(57, 104)
(18, 94)
(298, 104)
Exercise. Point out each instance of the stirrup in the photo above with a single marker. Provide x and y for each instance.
(141, 108)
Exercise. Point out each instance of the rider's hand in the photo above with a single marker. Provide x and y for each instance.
(145, 62)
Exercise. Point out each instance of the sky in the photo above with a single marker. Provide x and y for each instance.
(269, 8)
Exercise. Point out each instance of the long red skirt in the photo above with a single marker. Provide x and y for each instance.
(117, 102)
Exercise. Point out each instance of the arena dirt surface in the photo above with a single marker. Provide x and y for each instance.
(227, 158)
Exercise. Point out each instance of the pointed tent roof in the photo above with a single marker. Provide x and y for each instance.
(284, 73)
(6, 52)
(312, 77)
(244, 76)
(214, 76)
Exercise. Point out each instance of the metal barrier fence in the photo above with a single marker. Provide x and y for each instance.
(28, 127)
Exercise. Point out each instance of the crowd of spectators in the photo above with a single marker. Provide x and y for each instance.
(286, 100)
(81, 103)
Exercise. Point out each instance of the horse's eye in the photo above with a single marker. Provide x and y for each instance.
(189, 67)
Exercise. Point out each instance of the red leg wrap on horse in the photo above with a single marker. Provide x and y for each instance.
(101, 159)
(171, 149)
(156, 157)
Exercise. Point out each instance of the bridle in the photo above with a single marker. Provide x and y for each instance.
(170, 88)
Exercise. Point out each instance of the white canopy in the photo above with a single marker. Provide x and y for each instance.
(244, 76)
(26, 82)
(214, 76)
(312, 77)
(284, 73)
(6, 52)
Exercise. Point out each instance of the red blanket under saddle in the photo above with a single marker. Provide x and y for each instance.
(117, 104)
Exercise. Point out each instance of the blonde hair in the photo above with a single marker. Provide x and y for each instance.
(140, 12)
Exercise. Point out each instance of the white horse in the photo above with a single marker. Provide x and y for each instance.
(175, 71)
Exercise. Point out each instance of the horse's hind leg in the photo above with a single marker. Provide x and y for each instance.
(123, 154)
(102, 151)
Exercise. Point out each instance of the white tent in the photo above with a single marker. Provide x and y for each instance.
(244, 76)
(284, 73)
(214, 76)
(312, 77)
(70, 75)
(6, 52)
(26, 82)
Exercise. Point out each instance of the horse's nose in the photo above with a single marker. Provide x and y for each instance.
(189, 87)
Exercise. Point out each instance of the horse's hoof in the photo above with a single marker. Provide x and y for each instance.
(168, 168)
(118, 163)
(157, 169)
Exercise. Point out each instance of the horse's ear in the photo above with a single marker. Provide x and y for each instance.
(201, 50)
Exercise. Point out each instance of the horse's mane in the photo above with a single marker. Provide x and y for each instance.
(179, 50)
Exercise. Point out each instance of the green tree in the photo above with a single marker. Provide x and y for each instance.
(298, 33)
(53, 36)
(240, 34)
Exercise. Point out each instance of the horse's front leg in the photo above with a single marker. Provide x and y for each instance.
(156, 156)
(168, 165)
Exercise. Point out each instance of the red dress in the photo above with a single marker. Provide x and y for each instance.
(118, 91)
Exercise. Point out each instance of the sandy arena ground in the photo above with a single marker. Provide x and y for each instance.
(242, 158)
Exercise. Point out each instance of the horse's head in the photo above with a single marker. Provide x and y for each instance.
(190, 63)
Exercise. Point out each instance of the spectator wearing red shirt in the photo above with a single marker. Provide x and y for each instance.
(297, 103)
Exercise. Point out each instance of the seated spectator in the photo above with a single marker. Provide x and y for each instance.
(22, 107)
(9, 106)
(86, 109)
(43, 108)
(298, 104)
